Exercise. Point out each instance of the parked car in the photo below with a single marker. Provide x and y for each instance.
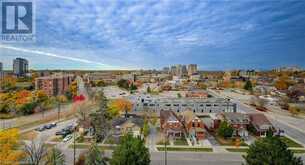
(48, 126)
(67, 138)
(40, 129)
(54, 124)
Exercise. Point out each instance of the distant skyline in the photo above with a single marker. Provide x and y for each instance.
(215, 35)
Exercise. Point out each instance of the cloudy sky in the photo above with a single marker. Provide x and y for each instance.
(100, 34)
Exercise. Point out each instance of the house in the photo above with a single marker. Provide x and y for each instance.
(126, 125)
(170, 124)
(238, 121)
(193, 125)
(260, 123)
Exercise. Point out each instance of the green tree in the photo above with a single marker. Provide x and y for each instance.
(133, 87)
(148, 89)
(100, 120)
(123, 84)
(55, 157)
(179, 95)
(130, 151)
(225, 130)
(95, 156)
(248, 86)
(270, 150)
(145, 129)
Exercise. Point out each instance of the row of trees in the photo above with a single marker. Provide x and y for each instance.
(25, 102)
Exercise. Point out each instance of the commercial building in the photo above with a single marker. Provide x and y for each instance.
(55, 84)
(198, 106)
(20, 67)
(191, 69)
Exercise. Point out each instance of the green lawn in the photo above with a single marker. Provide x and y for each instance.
(181, 141)
(237, 149)
(186, 149)
(162, 142)
(290, 142)
(229, 141)
(86, 146)
(298, 151)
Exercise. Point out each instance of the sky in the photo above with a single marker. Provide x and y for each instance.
(151, 34)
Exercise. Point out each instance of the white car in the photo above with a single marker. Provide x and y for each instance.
(67, 138)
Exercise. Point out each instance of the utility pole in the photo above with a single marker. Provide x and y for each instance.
(74, 149)
(165, 150)
(58, 110)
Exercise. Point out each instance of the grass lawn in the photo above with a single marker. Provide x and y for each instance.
(237, 149)
(229, 141)
(162, 142)
(181, 141)
(110, 140)
(29, 135)
(298, 151)
(86, 146)
(290, 142)
(6, 116)
(56, 139)
(190, 149)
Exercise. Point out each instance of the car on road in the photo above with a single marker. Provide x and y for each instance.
(48, 126)
(67, 138)
(40, 129)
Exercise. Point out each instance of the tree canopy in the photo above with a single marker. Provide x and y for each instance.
(225, 130)
(270, 151)
(130, 151)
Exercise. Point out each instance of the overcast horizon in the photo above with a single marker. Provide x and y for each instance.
(116, 35)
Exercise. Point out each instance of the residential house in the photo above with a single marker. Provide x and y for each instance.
(238, 121)
(170, 124)
(126, 125)
(260, 123)
(193, 125)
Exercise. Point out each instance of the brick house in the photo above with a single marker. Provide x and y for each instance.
(171, 124)
(238, 121)
(193, 125)
(261, 124)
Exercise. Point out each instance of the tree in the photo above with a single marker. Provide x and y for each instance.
(123, 84)
(35, 151)
(248, 86)
(179, 95)
(119, 106)
(100, 120)
(9, 141)
(294, 110)
(133, 87)
(95, 156)
(270, 150)
(145, 129)
(148, 89)
(55, 157)
(130, 151)
(225, 130)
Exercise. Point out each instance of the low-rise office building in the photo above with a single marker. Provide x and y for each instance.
(54, 85)
(208, 105)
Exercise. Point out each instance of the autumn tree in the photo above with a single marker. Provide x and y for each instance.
(9, 144)
(119, 106)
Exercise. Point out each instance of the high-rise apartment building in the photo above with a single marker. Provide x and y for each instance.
(191, 69)
(20, 67)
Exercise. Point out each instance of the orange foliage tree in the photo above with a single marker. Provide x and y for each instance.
(119, 106)
(9, 143)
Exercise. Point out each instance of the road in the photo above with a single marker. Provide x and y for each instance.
(291, 126)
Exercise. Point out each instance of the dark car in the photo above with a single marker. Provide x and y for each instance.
(40, 129)
(48, 126)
